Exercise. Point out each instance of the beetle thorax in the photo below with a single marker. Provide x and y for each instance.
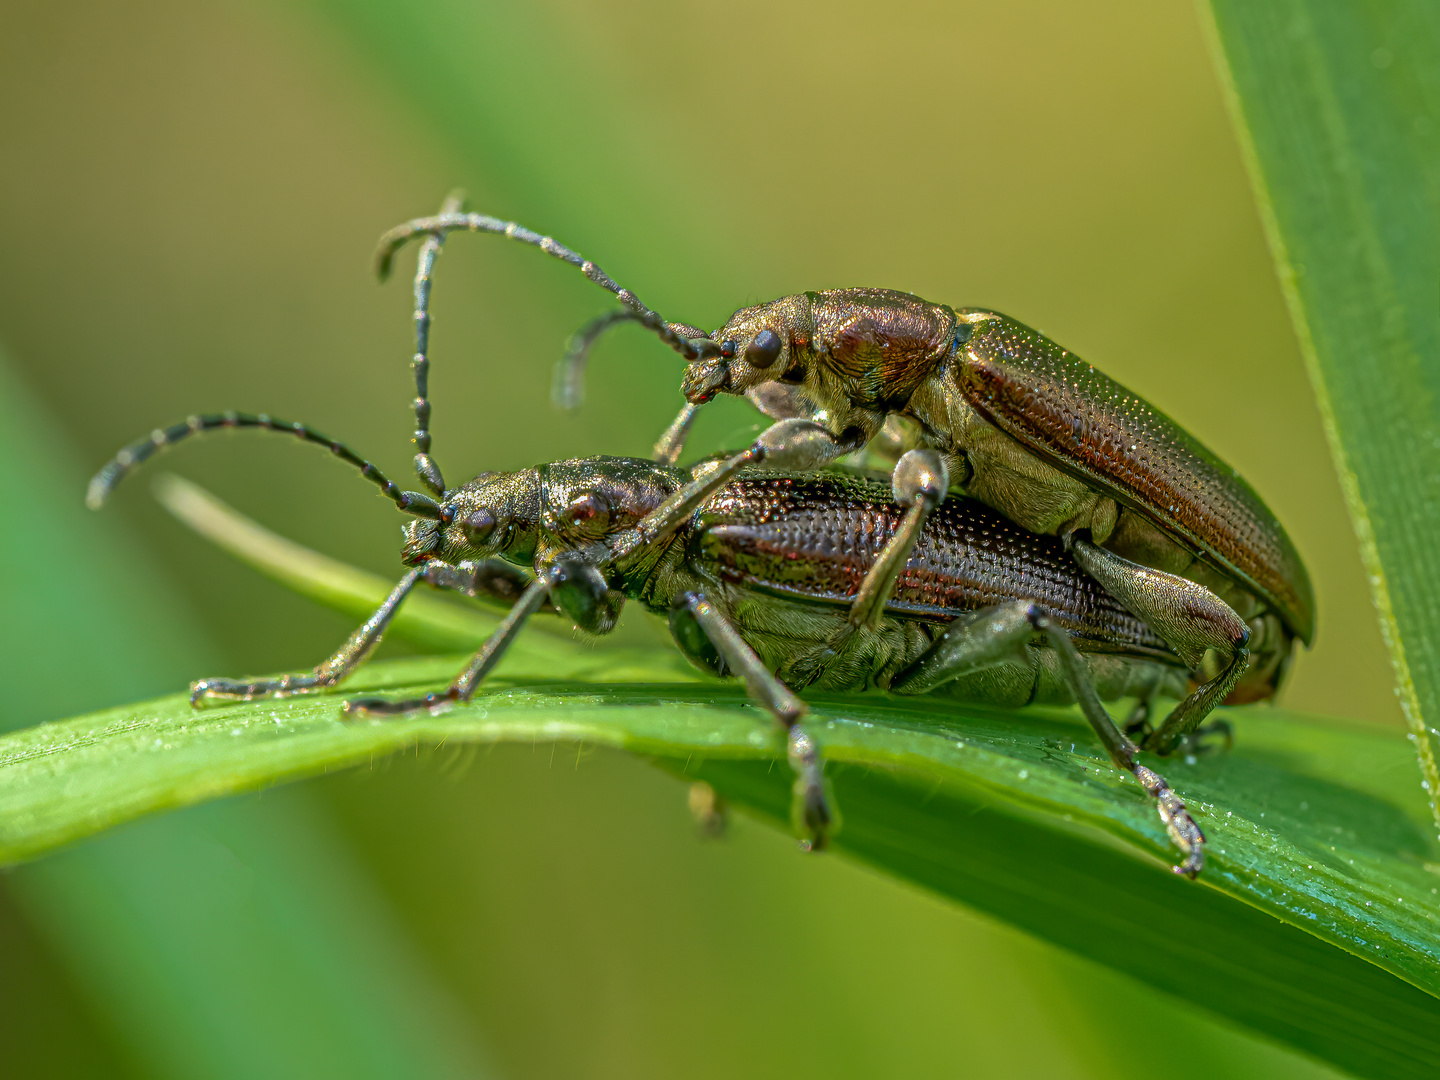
(879, 343)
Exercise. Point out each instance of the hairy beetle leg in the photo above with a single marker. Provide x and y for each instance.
(350, 656)
(670, 445)
(788, 444)
(1190, 618)
(811, 808)
(1184, 833)
(972, 642)
(464, 686)
(919, 483)
(999, 634)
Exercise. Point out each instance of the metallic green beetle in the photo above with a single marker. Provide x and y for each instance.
(764, 575)
(1022, 425)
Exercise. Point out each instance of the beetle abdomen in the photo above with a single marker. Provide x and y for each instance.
(1087, 424)
(816, 537)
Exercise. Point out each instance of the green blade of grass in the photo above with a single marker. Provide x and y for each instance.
(426, 620)
(1313, 924)
(1337, 104)
(221, 943)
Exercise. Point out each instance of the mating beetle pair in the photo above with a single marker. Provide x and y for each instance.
(1167, 565)
(1021, 425)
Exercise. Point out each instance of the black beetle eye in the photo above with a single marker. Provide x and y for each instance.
(727, 348)
(763, 350)
(589, 513)
(477, 526)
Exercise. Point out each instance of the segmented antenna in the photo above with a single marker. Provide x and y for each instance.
(425, 466)
(134, 455)
(568, 390)
(441, 224)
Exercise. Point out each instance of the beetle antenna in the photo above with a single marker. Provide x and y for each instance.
(568, 389)
(425, 466)
(134, 455)
(441, 224)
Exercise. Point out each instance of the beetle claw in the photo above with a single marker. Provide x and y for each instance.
(1183, 831)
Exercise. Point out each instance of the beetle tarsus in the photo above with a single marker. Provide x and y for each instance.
(434, 703)
(1186, 835)
(1213, 737)
(346, 659)
(811, 814)
(1182, 829)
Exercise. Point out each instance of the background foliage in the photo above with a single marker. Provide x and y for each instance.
(190, 193)
(1350, 198)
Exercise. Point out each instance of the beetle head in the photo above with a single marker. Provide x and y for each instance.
(758, 345)
(494, 514)
(842, 348)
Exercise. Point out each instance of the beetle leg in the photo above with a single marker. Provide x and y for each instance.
(491, 579)
(995, 635)
(481, 664)
(1189, 617)
(1178, 823)
(349, 656)
(787, 444)
(1137, 724)
(672, 443)
(811, 809)
(919, 482)
(1197, 743)
(973, 642)
(580, 592)
(1185, 718)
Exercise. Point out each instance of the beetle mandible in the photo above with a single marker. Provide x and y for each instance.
(1022, 425)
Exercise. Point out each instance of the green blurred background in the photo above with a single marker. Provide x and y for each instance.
(189, 194)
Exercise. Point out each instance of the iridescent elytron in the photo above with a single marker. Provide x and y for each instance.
(1022, 425)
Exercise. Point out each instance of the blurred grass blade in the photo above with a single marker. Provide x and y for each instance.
(224, 942)
(1337, 103)
(426, 620)
(1314, 923)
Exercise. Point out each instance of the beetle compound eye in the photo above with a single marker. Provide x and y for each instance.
(589, 513)
(478, 526)
(763, 350)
